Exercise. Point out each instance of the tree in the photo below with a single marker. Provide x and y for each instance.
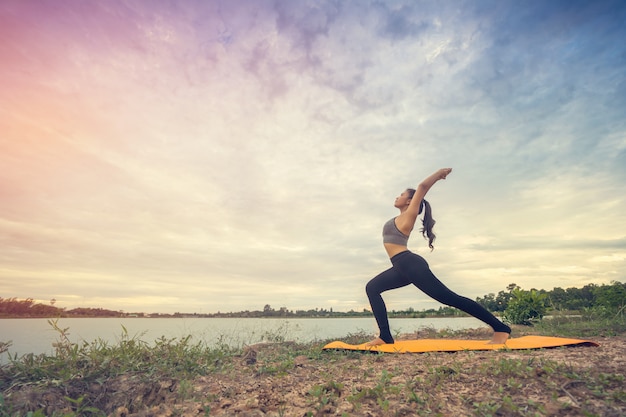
(558, 298)
(611, 298)
(502, 300)
(268, 310)
(488, 301)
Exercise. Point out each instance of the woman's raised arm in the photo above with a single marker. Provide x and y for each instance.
(423, 187)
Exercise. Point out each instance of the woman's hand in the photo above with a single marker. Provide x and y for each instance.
(423, 188)
(443, 173)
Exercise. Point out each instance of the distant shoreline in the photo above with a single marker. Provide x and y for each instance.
(191, 316)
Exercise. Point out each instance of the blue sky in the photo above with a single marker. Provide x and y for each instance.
(205, 156)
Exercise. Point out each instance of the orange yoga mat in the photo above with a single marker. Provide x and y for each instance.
(448, 345)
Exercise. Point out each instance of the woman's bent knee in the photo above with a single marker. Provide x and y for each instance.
(371, 289)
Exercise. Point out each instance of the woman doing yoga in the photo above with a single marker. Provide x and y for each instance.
(410, 268)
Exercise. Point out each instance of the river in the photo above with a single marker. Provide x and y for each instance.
(37, 335)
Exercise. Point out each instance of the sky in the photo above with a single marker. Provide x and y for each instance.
(204, 156)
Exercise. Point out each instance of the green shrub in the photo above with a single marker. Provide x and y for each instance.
(525, 307)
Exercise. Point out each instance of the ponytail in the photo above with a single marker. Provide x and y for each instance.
(428, 223)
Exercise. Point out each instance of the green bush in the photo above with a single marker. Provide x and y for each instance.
(525, 307)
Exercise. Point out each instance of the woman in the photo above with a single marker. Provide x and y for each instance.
(409, 268)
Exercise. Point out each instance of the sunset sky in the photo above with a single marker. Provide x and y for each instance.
(204, 156)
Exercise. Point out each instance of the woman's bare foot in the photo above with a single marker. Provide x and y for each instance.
(499, 338)
(376, 342)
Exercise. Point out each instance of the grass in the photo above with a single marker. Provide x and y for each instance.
(98, 359)
(92, 379)
(78, 367)
(588, 324)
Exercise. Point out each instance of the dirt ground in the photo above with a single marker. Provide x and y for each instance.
(267, 381)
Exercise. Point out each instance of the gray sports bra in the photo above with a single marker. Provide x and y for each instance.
(391, 234)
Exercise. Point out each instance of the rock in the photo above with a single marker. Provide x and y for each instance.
(249, 356)
(121, 412)
(300, 361)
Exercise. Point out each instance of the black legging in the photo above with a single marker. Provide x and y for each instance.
(410, 268)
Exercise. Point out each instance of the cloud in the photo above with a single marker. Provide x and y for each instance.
(227, 155)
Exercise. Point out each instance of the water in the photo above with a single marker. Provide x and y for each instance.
(37, 335)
